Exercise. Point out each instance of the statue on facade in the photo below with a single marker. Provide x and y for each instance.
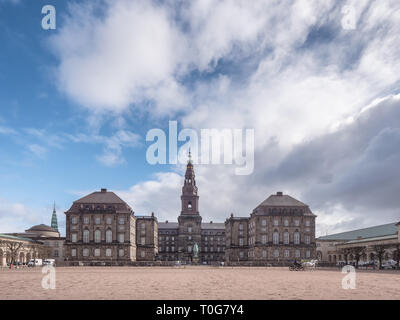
(195, 250)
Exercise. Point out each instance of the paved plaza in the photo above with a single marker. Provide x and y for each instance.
(197, 283)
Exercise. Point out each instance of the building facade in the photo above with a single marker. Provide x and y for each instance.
(15, 249)
(176, 240)
(146, 238)
(361, 244)
(48, 244)
(279, 230)
(100, 227)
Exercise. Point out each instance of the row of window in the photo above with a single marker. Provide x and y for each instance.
(275, 238)
(276, 254)
(276, 223)
(97, 236)
(97, 220)
(206, 249)
(167, 238)
(104, 207)
(97, 252)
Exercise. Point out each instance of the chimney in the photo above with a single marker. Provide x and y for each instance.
(279, 194)
(103, 190)
(152, 214)
(166, 221)
(211, 222)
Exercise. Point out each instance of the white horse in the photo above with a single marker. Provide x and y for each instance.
(311, 265)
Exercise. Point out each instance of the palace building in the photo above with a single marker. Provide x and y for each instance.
(278, 231)
(101, 227)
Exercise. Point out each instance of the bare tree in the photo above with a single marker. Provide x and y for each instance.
(380, 252)
(396, 254)
(41, 251)
(345, 252)
(14, 247)
(357, 252)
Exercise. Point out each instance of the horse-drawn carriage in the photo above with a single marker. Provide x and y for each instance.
(304, 265)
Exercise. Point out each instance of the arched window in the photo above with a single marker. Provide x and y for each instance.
(190, 205)
(85, 236)
(296, 237)
(319, 255)
(108, 236)
(97, 236)
(286, 237)
(276, 238)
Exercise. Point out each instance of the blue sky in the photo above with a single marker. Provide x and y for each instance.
(76, 104)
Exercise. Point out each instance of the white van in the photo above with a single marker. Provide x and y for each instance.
(51, 262)
(35, 262)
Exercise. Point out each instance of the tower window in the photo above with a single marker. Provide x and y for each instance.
(190, 205)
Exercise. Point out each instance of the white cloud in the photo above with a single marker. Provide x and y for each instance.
(113, 145)
(37, 150)
(16, 217)
(7, 131)
(287, 69)
(124, 58)
(159, 195)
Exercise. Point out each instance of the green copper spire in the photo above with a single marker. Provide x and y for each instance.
(54, 223)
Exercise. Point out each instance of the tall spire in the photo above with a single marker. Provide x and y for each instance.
(190, 157)
(189, 190)
(54, 223)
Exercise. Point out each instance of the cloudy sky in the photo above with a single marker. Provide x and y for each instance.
(323, 100)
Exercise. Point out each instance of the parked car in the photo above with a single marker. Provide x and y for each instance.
(390, 264)
(51, 262)
(340, 264)
(35, 262)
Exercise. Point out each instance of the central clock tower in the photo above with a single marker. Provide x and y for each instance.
(189, 219)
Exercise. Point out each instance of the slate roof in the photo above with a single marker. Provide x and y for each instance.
(8, 236)
(102, 197)
(169, 225)
(213, 226)
(372, 232)
(390, 237)
(281, 201)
